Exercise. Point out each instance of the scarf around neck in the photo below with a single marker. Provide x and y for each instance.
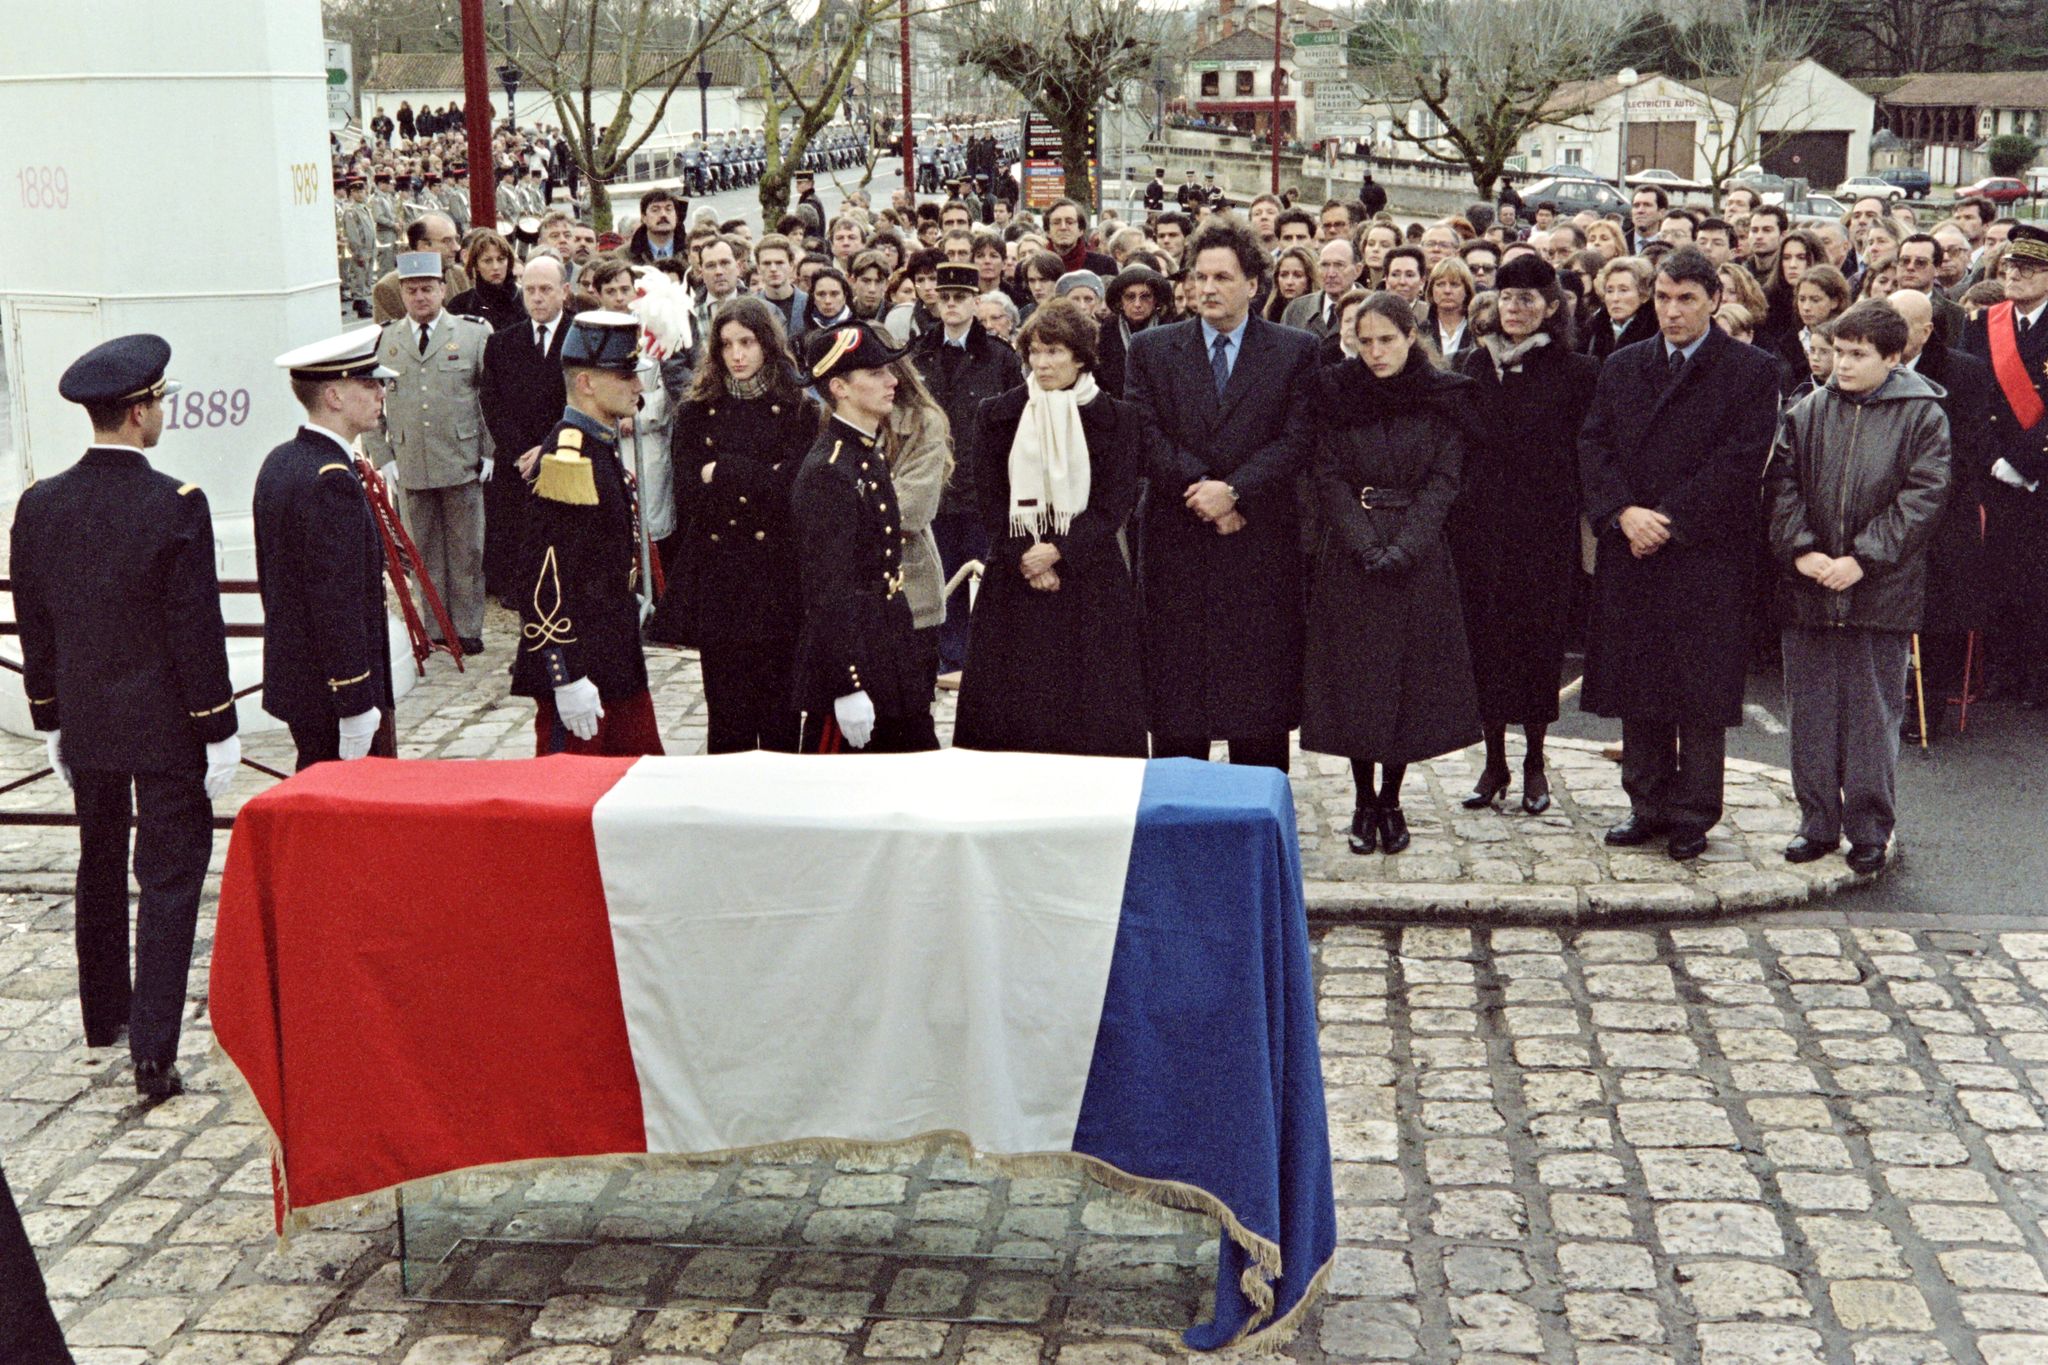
(744, 389)
(1049, 459)
(1510, 357)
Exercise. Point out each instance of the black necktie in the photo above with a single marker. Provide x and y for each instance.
(1677, 364)
(426, 330)
(540, 337)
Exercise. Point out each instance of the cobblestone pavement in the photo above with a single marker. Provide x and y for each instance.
(1801, 1138)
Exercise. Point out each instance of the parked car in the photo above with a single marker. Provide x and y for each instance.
(1869, 187)
(1663, 179)
(1999, 189)
(1569, 172)
(1817, 206)
(1914, 180)
(1574, 195)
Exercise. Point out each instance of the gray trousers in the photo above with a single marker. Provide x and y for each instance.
(447, 524)
(1845, 694)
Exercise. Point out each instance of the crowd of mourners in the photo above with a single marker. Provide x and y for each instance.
(1319, 469)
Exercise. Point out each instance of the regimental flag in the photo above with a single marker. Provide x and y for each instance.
(422, 967)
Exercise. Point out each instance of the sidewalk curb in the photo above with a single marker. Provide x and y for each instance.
(1515, 903)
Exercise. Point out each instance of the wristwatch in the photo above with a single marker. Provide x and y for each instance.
(1232, 490)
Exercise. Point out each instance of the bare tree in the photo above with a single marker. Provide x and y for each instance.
(641, 48)
(806, 67)
(1488, 71)
(1743, 61)
(1065, 57)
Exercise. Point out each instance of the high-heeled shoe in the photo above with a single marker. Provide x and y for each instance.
(1492, 782)
(1393, 829)
(1364, 829)
(1535, 790)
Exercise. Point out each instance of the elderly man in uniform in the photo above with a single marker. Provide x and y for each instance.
(434, 431)
(2013, 337)
(859, 678)
(578, 654)
(125, 661)
(320, 560)
(359, 239)
(430, 232)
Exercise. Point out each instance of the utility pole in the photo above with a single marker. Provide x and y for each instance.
(476, 120)
(1278, 23)
(909, 137)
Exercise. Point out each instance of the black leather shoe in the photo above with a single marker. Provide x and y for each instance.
(472, 644)
(1393, 830)
(158, 1080)
(1365, 829)
(1866, 859)
(1805, 850)
(1633, 830)
(1535, 790)
(1492, 782)
(1685, 845)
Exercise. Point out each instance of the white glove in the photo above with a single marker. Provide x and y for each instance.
(855, 713)
(53, 740)
(221, 761)
(389, 473)
(2003, 471)
(357, 731)
(578, 705)
(484, 474)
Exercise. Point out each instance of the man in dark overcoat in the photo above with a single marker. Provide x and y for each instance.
(1223, 396)
(1670, 461)
(1957, 592)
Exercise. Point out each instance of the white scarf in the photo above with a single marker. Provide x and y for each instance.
(1049, 459)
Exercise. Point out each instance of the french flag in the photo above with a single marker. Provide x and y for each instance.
(425, 967)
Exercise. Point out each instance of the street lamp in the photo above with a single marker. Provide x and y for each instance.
(1626, 78)
(509, 73)
(703, 98)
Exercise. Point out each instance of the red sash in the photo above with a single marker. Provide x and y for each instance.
(2013, 379)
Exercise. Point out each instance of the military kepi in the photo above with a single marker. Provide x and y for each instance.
(2028, 243)
(352, 355)
(127, 369)
(602, 340)
(420, 265)
(852, 346)
(959, 275)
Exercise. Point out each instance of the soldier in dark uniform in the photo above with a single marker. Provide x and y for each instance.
(320, 561)
(29, 1334)
(126, 665)
(578, 654)
(2012, 336)
(859, 677)
(1155, 192)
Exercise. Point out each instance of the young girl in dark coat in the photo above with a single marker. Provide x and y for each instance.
(1388, 679)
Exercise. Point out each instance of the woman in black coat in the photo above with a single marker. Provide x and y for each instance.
(736, 444)
(1536, 391)
(1388, 680)
(1053, 665)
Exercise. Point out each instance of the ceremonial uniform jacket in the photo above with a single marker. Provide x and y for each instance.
(359, 230)
(384, 213)
(121, 638)
(2025, 449)
(509, 207)
(433, 419)
(856, 633)
(578, 614)
(455, 203)
(320, 566)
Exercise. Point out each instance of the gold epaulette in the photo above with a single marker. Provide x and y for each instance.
(566, 477)
(183, 489)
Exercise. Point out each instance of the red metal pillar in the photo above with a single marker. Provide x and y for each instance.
(476, 116)
(909, 137)
(1279, 22)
